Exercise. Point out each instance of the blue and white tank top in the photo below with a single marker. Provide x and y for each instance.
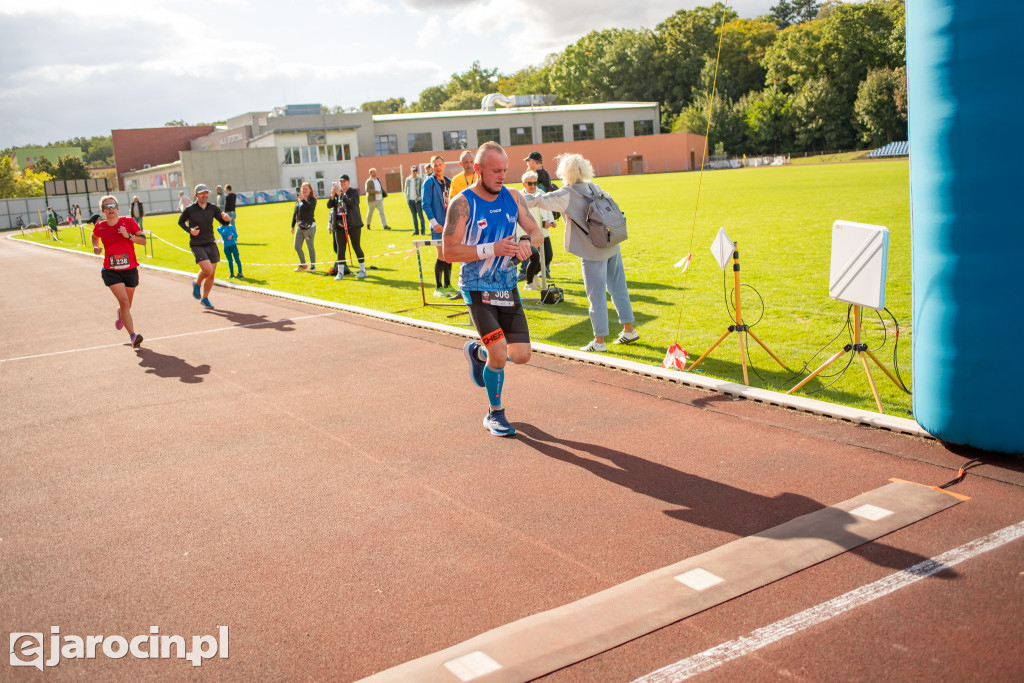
(489, 222)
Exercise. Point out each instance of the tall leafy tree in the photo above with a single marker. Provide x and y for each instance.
(794, 57)
(474, 79)
(823, 117)
(769, 116)
(70, 167)
(530, 80)
(789, 12)
(685, 39)
(430, 99)
(879, 117)
(392, 105)
(744, 43)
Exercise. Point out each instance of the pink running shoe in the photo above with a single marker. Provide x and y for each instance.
(118, 324)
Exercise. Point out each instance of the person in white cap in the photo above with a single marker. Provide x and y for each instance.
(197, 221)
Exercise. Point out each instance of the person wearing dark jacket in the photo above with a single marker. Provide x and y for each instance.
(138, 212)
(303, 217)
(346, 224)
(197, 220)
(229, 204)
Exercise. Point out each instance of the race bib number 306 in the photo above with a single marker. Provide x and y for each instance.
(500, 298)
(119, 261)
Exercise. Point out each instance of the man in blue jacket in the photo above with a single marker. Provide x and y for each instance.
(436, 189)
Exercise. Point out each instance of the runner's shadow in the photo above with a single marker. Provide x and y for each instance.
(251, 320)
(163, 365)
(709, 503)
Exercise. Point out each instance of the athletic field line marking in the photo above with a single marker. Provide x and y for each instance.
(762, 637)
(170, 336)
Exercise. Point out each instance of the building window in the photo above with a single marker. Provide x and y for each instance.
(582, 131)
(337, 153)
(296, 183)
(643, 127)
(455, 139)
(487, 135)
(615, 129)
(552, 134)
(420, 142)
(520, 135)
(386, 144)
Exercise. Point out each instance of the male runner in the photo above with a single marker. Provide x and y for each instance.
(479, 232)
(197, 220)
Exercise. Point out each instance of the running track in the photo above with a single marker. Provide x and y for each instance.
(320, 482)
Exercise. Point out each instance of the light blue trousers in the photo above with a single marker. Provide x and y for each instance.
(599, 276)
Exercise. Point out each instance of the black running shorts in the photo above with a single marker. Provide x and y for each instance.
(206, 252)
(128, 278)
(494, 322)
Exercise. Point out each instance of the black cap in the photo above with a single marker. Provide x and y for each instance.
(344, 176)
(414, 168)
(535, 156)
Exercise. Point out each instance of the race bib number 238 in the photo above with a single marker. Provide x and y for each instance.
(119, 261)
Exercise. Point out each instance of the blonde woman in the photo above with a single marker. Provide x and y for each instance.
(602, 266)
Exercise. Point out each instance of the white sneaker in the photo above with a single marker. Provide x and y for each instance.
(594, 346)
(340, 275)
(361, 273)
(531, 287)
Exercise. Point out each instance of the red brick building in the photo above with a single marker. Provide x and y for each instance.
(135, 148)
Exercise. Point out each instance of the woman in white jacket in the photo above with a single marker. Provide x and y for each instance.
(602, 266)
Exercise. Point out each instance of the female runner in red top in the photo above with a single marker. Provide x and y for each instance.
(119, 235)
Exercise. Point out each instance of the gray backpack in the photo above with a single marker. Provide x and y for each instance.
(603, 221)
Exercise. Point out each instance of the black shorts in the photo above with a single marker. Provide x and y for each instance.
(206, 252)
(495, 322)
(128, 278)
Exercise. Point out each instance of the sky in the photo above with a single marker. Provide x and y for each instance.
(84, 67)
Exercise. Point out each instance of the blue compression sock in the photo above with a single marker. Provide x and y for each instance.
(493, 379)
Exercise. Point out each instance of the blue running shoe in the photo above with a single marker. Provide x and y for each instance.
(496, 422)
(476, 366)
(206, 302)
(195, 291)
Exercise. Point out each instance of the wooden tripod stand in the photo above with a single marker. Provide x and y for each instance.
(739, 327)
(860, 349)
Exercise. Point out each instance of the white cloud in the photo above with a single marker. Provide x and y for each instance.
(82, 68)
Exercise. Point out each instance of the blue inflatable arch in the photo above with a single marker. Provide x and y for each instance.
(965, 80)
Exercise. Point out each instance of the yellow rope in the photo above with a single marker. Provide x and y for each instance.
(703, 158)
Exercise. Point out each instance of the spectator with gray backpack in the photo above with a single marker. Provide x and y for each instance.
(594, 228)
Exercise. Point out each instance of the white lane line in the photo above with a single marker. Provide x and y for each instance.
(170, 336)
(762, 637)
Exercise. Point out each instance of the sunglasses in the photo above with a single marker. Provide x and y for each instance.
(530, 183)
(109, 206)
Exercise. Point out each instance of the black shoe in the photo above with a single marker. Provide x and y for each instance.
(137, 342)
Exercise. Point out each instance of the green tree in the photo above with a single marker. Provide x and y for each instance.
(856, 38)
(176, 122)
(463, 100)
(613, 64)
(794, 57)
(744, 43)
(728, 125)
(474, 79)
(684, 41)
(789, 12)
(44, 165)
(392, 105)
(769, 117)
(70, 167)
(823, 117)
(430, 99)
(14, 183)
(878, 114)
(530, 80)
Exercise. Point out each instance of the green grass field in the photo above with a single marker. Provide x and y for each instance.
(781, 218)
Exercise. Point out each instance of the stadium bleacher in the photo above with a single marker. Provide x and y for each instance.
(893, 149)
